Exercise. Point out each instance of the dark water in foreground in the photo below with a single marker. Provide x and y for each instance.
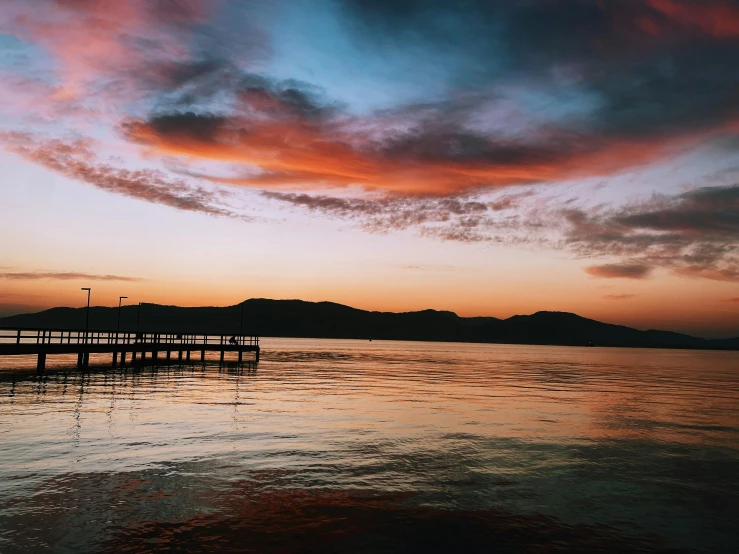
(348, 446)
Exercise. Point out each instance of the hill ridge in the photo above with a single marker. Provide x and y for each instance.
(301, 318)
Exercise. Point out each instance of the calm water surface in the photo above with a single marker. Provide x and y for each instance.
(349, 446)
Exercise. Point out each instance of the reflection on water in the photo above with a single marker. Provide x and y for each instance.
(370, 447)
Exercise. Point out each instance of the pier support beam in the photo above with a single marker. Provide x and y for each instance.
(79, 359)
(154, 357)
(41, 363)
(115, 359)
(202, 355)
(123, 358)
(188, 355)
(179, 356)
(133, 357)
(85, 360)
(169, 354)
(241, 355)
(257, 357)
(223, 353)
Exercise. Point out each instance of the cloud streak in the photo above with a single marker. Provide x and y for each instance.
(64, 276)
(75, 159)
(619, 271)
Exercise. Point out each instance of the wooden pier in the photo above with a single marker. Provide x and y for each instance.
(157, 347)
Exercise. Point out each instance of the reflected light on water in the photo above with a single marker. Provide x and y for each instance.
(383, 446)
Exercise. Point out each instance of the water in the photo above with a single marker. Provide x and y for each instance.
(349, 446)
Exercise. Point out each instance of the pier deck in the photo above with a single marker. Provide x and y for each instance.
(42, 342)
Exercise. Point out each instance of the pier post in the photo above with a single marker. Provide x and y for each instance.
(41, 363)
(115, 359)
(154, 357)
(86, 360)
(169, 353)
(241, 354)
(123, 358)
(223, 352)
(202, 355)
(257, 360)
(179, 356)
(79, 359)
(133, 357)
(188, 355)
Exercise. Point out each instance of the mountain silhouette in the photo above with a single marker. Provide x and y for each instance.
(297, 318)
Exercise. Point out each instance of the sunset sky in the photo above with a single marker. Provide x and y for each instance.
(489, 157)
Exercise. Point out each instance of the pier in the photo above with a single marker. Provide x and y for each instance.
(141, 347)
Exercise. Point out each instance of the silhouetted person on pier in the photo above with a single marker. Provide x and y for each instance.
(233, 340)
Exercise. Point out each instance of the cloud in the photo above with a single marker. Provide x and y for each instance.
(692, 234)
(695, 234)
(619, 296)
(64, 276)
(427, 267)
(75, 159)
(508, 94)
(459, 219)
(619, 271)
(113, 44)
(736, 299)
(279, 139)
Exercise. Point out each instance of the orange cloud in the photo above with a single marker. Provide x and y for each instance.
(294, 150)
(619, 271)
(730, 274)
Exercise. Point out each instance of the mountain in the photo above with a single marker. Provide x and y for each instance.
(297, 318)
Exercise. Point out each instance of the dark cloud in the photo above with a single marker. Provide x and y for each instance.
(695, 234)
(619, 271)
(736, 299)
(64, 276)
(710, 211)
(652, 68)
(619, 296)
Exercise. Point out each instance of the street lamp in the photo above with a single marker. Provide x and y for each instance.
(241, 323)
(118, 325)
(138, 321)
(87, 315)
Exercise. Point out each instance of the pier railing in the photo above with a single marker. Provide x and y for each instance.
(41, 342)
(90, 337)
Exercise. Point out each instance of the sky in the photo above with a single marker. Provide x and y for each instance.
(486, 157)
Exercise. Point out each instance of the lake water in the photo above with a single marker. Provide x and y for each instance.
(351, 446)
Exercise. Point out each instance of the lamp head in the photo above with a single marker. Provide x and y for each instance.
(85, 288)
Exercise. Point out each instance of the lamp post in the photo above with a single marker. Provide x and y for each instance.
(138, 320)
(118, 325)
(87, 314)
(241, 324)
